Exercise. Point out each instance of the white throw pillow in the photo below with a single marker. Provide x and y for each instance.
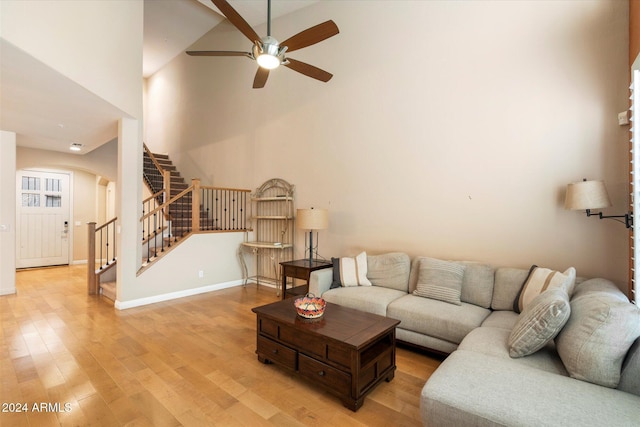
(541, 279)
(351, 271)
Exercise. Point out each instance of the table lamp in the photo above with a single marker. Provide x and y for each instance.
(313, 220)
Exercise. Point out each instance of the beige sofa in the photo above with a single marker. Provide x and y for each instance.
(479, 383)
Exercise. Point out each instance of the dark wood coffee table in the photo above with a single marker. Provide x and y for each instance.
(346, 352)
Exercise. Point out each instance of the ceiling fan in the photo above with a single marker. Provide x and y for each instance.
(270, 54)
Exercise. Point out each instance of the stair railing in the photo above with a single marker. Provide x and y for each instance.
(157, 172)
(101, 250)
(197, 209)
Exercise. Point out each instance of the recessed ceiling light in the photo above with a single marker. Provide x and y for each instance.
(75, 146)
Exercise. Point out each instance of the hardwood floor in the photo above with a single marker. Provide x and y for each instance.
(74, 360)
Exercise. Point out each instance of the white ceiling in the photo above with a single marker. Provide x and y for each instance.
(48, 111)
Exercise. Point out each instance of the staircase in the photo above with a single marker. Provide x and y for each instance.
(167, 218)
(179, 220)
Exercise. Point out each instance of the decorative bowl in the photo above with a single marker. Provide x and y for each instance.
(310, 306)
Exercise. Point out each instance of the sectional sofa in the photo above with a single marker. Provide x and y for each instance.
(566, 353)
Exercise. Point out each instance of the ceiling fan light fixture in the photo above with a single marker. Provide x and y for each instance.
(268, 53)
(268, 61)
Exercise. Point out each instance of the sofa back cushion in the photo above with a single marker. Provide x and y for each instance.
(389, 270)
(477, 283)
(630, 375)
(601, 329)
(507, 287)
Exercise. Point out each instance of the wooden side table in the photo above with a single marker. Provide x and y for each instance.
(300, 269)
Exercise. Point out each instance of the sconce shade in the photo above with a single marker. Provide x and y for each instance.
(586, 195)
(312, 219)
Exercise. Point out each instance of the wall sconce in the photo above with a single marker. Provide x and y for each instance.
(587, 195)
(312, 219)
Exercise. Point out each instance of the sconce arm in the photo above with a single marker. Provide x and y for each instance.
(628, 217)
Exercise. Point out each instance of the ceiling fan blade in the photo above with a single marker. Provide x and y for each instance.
(261, 78)
(311, 36)
(217, 53)
(308, 70)
(237, 20)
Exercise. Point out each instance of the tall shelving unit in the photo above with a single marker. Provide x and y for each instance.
(272, 220)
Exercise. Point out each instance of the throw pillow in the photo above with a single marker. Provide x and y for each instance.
(541, 279)
(350, 271)
(539, 322)
(440, 280)
(598, 335)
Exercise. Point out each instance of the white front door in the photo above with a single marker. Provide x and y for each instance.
(42, 218)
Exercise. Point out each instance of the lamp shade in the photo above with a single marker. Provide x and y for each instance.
(586, 195)
(312, 219)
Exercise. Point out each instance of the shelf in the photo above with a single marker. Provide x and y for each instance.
(272, 217)
(272, 199)
(267, 245)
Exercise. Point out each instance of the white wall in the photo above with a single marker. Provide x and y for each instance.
(102, 161)
(7, 212)
(177, 274)
(92, 42)
(450, 129)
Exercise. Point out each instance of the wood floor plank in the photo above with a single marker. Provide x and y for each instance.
(187, 362)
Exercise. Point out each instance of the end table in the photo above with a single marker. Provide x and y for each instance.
(300, 269)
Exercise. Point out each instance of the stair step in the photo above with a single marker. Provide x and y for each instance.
(160, 156)
(108, 289)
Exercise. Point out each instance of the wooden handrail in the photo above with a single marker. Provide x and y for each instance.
(153, 196)
(153, 158)
(208, 187)
(164, 205)
(105, 224)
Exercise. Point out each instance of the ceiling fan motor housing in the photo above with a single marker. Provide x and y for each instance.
(270, 49)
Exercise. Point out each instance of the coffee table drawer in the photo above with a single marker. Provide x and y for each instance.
(277, 353)
(331, 378)
(302, 341)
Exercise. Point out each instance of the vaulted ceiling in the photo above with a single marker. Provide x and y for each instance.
(48, 111)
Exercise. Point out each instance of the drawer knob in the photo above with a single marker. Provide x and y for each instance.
(321, 373)
(274, 351)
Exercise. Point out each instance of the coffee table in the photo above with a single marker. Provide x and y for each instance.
(346, 352)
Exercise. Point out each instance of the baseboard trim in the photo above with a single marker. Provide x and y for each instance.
(123, 305)
(9, 291)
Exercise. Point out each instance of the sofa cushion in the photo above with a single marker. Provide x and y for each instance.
(595, 340)
(501, 319)
(436, 318)
(373, 299)
(541, 279)
(477, 283)
(507, 285)
(539, 322)
(473, 389)
(440, 280)
(494, 342)
(350, 271)
(389, 270)
(630, 375)
(598, 285)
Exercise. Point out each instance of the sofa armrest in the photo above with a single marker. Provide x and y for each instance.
(320, 281)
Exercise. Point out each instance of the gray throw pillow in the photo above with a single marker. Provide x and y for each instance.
(539, 322)
(440, 280)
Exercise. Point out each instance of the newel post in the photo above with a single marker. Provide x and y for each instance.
(92, 285)
(195, 205)
(166, 184)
